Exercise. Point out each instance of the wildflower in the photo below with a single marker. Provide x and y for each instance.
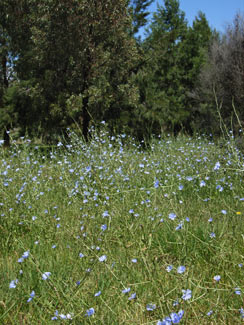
(217, 166)
(90, 312)
(217, 278)
(24, 256)
(81, 255)
(13, 284)
(126, 290)
(102, 258)
(212, 235)
(105, 214)
(176, 303)
(209, 313)
(186, 294)
(165, 321)
(97, 294)
(202, 183)
(237, 291)
(133, 296)
(32, 295)
(224, 211)
(179, 226)
(56, 316)
(156, 184)
(151, 307)
(180, 187)
(174, 318)
(46, 275)
(220, 188)
(169, 268)
(134, 260)
(242, 313)
(181, 269)
(172, 216)
(104, 227)
(238, 212)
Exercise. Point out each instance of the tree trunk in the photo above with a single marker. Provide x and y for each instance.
(86, 119)
(4, 69)
(6, 138)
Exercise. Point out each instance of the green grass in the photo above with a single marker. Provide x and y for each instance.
(113, 198)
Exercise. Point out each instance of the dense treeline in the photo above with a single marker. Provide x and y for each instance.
(74, 63)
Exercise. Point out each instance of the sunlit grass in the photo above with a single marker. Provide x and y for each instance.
(112, 233)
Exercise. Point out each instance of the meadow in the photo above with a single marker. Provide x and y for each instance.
(114, 232)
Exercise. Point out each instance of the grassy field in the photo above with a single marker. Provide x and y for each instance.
(112, 233)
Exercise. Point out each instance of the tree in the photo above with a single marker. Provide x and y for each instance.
(4, 53)
(76, 63)
(161, 89)
(14, 42)
(139, 14)
(176, 55)
(193, 54)
(221, 82)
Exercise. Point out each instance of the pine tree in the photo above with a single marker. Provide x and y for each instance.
(139, 14)
(75, 65)
(177, 53)
(193, 54)
(163, 90)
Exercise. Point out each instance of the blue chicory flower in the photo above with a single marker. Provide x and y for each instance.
(169, 268)
(102, 258)
(172, 216)
(217, 278)
(13, 284)
(90, 312)
(46, 275)
(186, 294)
(150, 307)
(181, 269)
(133, 296)
(32, 295)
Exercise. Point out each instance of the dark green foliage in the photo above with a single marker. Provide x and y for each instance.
(139, 14)
(75, 63)
(177, 54)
